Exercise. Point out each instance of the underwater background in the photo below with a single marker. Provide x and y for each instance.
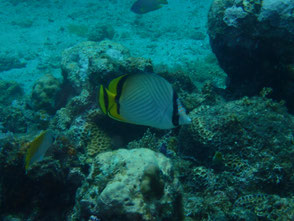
(231, 64)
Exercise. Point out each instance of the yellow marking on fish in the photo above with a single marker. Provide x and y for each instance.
(33, 148)
(101, 100)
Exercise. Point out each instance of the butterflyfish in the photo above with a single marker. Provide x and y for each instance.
(144, 6)
(38, 148)
(143, 99)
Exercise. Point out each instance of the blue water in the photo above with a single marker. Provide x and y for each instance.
(36, 32)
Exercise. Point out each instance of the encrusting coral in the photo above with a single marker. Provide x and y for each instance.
(99, 140)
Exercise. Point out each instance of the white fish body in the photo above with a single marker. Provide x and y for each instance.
(38, 148)
(145, 99)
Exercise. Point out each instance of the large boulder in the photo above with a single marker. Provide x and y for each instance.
(254, 43)
(137, 184)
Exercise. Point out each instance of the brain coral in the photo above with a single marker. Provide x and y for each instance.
(98, 140)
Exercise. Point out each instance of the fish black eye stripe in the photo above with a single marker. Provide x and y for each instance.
(105, 97)
(119, 88)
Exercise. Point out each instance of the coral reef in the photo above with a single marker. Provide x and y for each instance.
(45, 94)
(84, 67)
(89, 64)
(211, 206)
(56, 178)
(9, 91)
(253, 41)
(233, 162)
(269, 207)
(165, 143)
(129, 184)
(241, 151)
(99, 140)
(17, 118)
(230, 125)
(13, 120)
(62, 119)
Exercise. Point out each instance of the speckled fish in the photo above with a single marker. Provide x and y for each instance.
(143, 99)
(38, 148)
(144, 6)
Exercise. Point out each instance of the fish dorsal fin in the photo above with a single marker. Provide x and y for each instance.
(33, 148)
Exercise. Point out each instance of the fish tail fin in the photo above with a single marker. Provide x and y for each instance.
(28, 157)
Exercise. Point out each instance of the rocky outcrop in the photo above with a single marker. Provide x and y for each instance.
(89, 64)
(45, 94)
(254, 43)
(137, 184)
